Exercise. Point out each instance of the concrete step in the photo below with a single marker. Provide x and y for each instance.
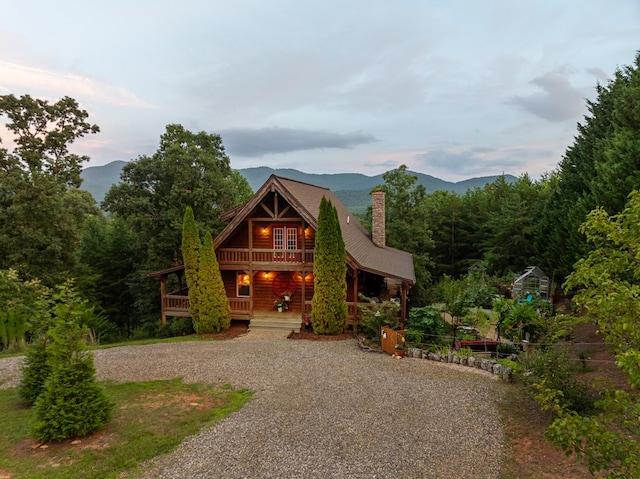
(276, 322)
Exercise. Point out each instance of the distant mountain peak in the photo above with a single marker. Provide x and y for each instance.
(351, 188)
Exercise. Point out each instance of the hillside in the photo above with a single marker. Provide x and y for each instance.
(351, 188)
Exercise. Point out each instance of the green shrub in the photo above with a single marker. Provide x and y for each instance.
(554, 367)
(517, 368)
(375, 315)
(150, 329)
(428, 321)
(414, 336)
(506, 349)
(19, 302)
(464, 352)
(181, 326)
(71, 402)
(35, 371)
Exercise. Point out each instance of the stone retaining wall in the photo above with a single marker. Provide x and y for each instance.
(499, 370)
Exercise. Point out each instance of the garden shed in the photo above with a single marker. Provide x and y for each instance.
(532, 281)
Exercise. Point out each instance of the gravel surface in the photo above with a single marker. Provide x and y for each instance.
(321, 409)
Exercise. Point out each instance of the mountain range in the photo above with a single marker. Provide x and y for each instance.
(353, 189)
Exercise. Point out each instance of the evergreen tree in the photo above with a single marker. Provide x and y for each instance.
(214, 311)
(408, 225)
(71, 403)
(105, 263)
(600, 169)
(329, 306)
(191, 260)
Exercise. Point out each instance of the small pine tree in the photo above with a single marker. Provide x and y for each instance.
(190, 257)
(329, 308)
(214, 310)
(71, 403)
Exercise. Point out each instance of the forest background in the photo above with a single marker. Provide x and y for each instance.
(52, 229)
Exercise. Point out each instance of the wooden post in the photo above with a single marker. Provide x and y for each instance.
(403, 306)
(355, 295)
(252, 284)
(163, 299)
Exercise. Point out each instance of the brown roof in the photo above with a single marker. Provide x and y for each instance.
(305, 198)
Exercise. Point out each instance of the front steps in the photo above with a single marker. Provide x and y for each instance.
(276, 322)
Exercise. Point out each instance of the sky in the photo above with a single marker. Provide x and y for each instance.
(451, 88)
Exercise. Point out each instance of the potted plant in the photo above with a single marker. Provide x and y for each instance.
(280, 305)
(400, 346)
(286, 295)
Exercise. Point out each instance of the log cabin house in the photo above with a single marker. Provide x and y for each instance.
(266, 256)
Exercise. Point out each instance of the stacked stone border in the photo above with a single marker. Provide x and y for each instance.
(500, 371)
(491, 366)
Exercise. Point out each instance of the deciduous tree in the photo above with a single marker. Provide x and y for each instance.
(41, 208)
(607, 282)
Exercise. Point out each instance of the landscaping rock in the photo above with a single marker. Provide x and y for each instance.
(414, 353)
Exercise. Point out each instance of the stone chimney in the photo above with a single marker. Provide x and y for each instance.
(378, 231)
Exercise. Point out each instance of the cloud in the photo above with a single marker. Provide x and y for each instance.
(42, 82)
(485, 161)
(602, 76)
(249, 142)
(559, 101)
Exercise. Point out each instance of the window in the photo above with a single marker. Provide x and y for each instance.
(285, 242)
(243, 284)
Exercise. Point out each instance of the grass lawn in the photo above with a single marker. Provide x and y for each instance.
(150, 418)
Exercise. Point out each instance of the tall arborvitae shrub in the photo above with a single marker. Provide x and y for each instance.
(72, 403)
(214, 310)
(190, 257)
(329, 307)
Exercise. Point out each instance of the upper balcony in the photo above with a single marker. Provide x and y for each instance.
(259, 256)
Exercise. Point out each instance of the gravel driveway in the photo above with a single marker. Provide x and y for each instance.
(321, 409)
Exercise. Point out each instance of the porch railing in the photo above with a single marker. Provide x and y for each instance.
(176, 302)
(244, 255)
(178, 305)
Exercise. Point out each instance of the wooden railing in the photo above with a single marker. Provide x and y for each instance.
(243, 255)
(240, 304)
(178, 305)
(176, 302)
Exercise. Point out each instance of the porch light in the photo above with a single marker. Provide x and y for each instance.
(265, 231)
(266, 274)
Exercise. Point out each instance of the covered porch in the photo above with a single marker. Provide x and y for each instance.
(264, 288)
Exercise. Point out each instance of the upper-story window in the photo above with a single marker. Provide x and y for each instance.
(285, 241)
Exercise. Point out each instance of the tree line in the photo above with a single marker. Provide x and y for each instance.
(51, 229)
